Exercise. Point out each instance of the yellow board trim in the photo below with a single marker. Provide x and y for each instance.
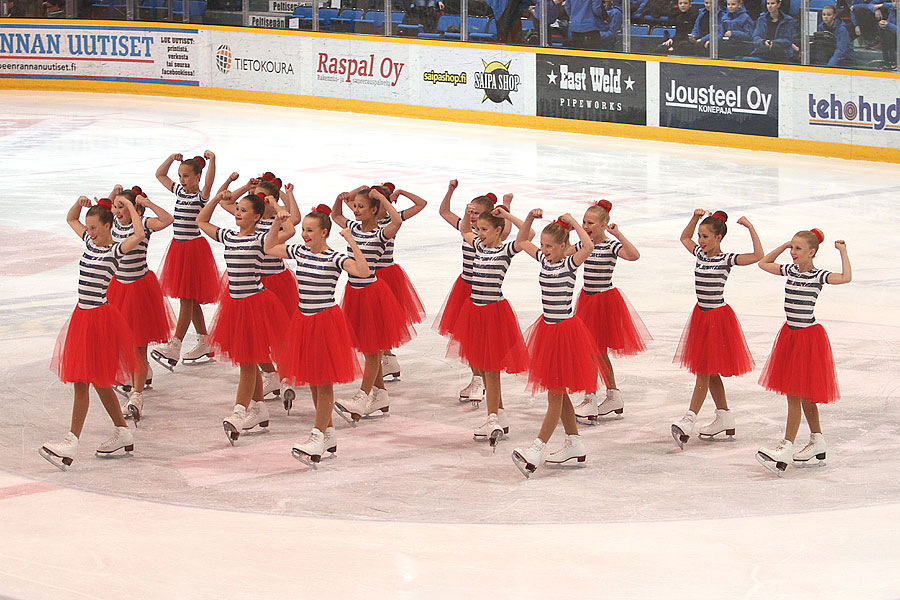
(660, 134)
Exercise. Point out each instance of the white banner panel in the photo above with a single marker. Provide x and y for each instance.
(844, 109)
(254, 61)
(101, 53)
(357, 70)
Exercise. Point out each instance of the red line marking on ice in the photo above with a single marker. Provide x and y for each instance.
(68, 58)
(26, 489)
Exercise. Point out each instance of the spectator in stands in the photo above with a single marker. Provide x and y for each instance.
(54, 9)
(508, 17)
(700, 34)
(610, 25)
(653, 11)
(735, 30)
(584, 23)
(683, 20)
(843, 54)
(556, 12)
(773, 37)
(865, 19)
(888, 27)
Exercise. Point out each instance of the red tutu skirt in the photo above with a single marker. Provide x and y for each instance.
(488, 338)
(375, 317)
(320, 350)
(96, 347)
(713, 344)
(250, 330)
(145, 310)
(284, 286)
(189, 271)
(562, 356)
(613, 322)
(801, 364)
(398, 282)
(460, 295)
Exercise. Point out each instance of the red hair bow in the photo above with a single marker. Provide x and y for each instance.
(492, 197)
(719, 215)
(104, 202)
(819, 235)
(202, 162)
(604, 204)
(322, 208)
(564, 225)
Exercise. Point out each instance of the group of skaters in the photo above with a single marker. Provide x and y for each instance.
(283, 326)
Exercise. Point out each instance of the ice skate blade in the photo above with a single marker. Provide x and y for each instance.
(57, 461)
(494, 439)
(774, 466)
(589, 420)
(346, 415)
(679, 436)
(256, 429)
(374, 414)
(231, 431)
(809, 463)
(475, 403)
(712, 437)
(579, 462)
(287, 399)
(523, 465)
(614, 414)
(134, 413)
(394, 377)
(123, 389)
(165, 362)
(112, 453)
(310, 460)
(200, 360)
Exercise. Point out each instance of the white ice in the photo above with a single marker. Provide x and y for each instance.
(412, 507)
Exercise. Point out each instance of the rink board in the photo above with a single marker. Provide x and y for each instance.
(846, 114)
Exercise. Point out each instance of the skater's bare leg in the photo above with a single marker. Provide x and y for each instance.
(323, 399)
(607, 367)
(185, 312)
(379, 379)
(554, 412)
(793, 418)
(717, 391)
(111, 404)
(570, 424)
(701, 388)
(80, 407)
(258, 390)
(811, 411)
(197, 319)
(477, 372)
(370, 376)
(267, 368)
(140, 371)
(247, 385)
(492, 393)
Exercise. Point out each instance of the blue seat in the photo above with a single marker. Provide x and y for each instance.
(477, 25)
(325, 17)
(490, 34)
(147, 9)
(346, 20)
(818, 5)
(444, 23)
(639, 30)
(303, 12)
(197, 10)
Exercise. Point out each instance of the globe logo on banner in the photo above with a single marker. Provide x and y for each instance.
(223, 58)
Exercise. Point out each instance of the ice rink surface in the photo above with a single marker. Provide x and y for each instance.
(412, 507)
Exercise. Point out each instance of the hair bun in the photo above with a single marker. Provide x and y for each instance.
(389, 186)
(260, 195)
(492, 197)
(604, 204)
(268, 176)
(277, 181)
(138, 191)
(818, 233)
(721, 215)
(563, 224)
(105, 203)
(202, 161)
(322, 208)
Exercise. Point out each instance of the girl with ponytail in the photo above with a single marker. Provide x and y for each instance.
(801, 365)
(712, 345)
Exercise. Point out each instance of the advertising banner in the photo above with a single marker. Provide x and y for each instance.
(713, 98)
(490, 80)
(845, 109)
(253, 62)
(101, 53)
(591, 89)
(357, 70)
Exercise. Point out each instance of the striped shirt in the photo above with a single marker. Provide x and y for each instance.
(710, 275)
(801, 290)
(372, 244)
(187, 207)
(133, 265)
(95, 270)
(387, 259)
(270, 265)
(468, 252)
(317, 276)
(488, 270)
(557, 288)
(242, 257)
(599, 266)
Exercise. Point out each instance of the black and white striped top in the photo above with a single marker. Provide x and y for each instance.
(468, 252)
(599, 266)
(317, 276)
(372, 244)
(187, 207)
(133, 265)
(710, 275)
(801, 290)
(242, 257)
(488, 270)
(270, 265)
(557, 288)
(387, 259)
(95, 270)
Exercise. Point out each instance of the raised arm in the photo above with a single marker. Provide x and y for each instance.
(587, 244)
(416, 208)
(210, 174)
(525, 233)
(507, 226)
(391, 229)
(767, 263)
(117, 189)
(445, 212)
(523, 242)
(687, 236)
(356, 266)
(273, 245)
(162, 219)
(138, 235)
(292, 207)
(846, 274)
(750, 257)
(228, 202)
(337, 214)
(228, 181)
(628, 251)
(162, 173)
(465, 224)
(206, 214)
(73, 217)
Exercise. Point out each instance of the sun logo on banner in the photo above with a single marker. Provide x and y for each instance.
(496, 81)
(223, 58)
